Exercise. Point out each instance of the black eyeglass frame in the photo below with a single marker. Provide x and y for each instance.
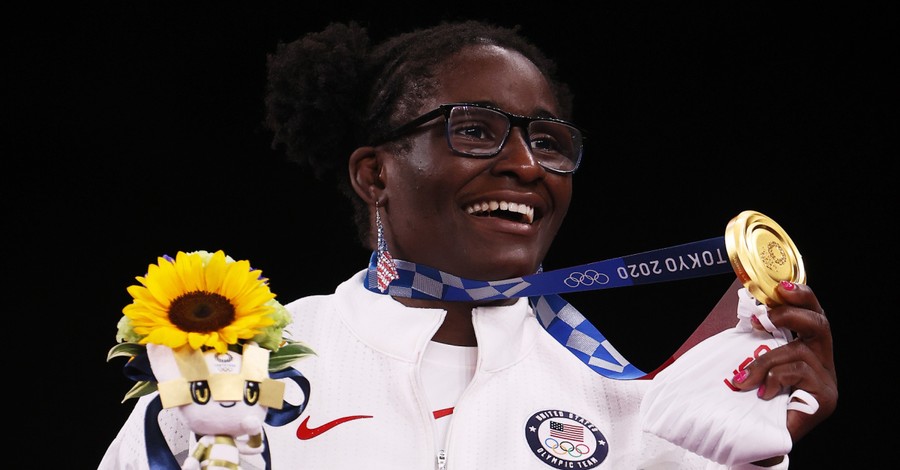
(515, 120)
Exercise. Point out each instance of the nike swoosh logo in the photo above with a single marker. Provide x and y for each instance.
(304, 432)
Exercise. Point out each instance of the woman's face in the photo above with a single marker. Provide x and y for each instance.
(430, 191)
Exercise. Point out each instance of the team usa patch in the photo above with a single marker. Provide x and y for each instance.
(562, 439)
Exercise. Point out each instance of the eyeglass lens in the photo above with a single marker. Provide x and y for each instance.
(481, 131)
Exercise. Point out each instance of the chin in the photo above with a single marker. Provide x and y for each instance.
(498, 269)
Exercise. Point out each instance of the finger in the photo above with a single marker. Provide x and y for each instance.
(792, 365)
(798, 295)
(802, 314)
(782, 378)
(790, 368)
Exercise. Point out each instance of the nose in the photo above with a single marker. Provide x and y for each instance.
(516, 157)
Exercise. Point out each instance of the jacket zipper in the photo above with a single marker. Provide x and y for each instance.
(442, 459)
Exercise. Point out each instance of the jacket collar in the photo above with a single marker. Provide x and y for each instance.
(504, 333)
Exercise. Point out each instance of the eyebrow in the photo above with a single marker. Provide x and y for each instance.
(542, 113)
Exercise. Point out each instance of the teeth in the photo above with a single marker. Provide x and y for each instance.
(490, 206)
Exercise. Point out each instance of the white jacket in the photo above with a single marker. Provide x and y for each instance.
(529, 394)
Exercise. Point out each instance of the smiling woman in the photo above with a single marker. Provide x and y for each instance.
(456, 147)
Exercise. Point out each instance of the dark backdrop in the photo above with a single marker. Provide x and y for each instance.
(136, 132)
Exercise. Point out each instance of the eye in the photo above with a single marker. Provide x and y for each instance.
(251, 393)
(471, 130)
(200, 392)
(545, 143)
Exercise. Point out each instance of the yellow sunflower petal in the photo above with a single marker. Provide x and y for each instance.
(214, 272)
(141, 300)
(171, 337)
(238, 278)
(252, 322)
(215, 341)
(253, 294)
(229, 334)
(163, 283)
(196, 339)
(255, 299)
(141, 293)
(189, 268)
(146, 313)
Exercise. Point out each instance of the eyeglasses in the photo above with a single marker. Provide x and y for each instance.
(481, 131)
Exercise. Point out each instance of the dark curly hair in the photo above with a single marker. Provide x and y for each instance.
(332, 91)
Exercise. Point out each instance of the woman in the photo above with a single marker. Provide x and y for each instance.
(452, 144)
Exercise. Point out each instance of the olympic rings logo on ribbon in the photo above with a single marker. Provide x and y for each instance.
(587, 278)
(553, 445)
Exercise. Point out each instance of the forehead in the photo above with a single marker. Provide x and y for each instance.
(492, 74)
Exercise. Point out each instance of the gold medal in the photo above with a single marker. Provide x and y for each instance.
(762, 255)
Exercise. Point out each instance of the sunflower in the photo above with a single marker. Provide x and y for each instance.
(199, 299)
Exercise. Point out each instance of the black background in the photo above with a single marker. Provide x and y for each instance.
(135, 132)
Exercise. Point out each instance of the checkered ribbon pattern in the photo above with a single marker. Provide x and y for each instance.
(557, 316)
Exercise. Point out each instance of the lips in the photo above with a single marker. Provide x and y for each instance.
(504, 209)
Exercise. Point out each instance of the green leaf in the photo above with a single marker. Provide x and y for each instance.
(288, 354)
(140, 389)
(124, 349)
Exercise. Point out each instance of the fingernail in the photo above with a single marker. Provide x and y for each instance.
(740, 376)
(761, 391)
(788, 285)
(755, 321)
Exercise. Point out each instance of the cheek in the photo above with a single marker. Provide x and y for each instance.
(561, 192)
(425, 157)
(425, 192)
(429, 173)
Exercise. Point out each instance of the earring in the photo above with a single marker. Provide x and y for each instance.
(385, 267)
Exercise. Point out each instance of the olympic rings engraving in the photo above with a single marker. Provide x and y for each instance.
(587, 278)
(774, 254)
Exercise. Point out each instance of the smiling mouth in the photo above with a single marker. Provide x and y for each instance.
(514, 211)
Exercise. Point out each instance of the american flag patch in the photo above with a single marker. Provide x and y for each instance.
(572, 432)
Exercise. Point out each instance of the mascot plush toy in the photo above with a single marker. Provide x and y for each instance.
(206, 333)
(224, 398)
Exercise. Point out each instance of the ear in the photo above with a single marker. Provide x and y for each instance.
(162, 362)
(367, 174)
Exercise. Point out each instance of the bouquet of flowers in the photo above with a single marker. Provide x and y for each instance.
(205, 329)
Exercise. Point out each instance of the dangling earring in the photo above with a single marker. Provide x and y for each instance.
(386, 267)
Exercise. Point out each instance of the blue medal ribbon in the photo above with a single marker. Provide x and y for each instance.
(559, 318)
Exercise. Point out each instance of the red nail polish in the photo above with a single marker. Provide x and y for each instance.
(755, 321)
(740, 376)
(761, 391)
(788, 285)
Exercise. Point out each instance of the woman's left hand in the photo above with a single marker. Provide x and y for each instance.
(806, 363)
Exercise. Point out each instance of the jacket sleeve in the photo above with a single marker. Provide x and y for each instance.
(128, 450)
